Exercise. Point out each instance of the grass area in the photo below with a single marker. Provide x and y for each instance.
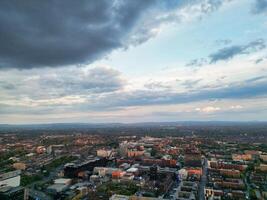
(118, 188)
(26, 180)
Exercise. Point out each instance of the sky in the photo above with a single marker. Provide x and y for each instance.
(131, 61)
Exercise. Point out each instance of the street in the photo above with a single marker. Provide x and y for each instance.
(201, 193)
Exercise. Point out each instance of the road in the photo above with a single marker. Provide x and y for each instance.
(203, 181)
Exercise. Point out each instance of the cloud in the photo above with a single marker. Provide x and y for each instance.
(169, 92)
(260, 60)
(191, 83)
(208, 109)
(7, 86)
(101, 89)
(260, 6)
(169, 97)
(236, 107)
(257, 78)
(57, 84)
(54, 33)
(77, 81)
(223, 42)
(104, 88)
(197, 62)
(60, 33)
(157, 86)
(229, 52)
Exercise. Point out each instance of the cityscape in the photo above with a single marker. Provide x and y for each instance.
(133, 100)
(173, 161)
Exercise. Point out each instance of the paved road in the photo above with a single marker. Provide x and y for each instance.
(201, 194)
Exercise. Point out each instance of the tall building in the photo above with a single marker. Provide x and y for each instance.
(153, 172)
(123, 148)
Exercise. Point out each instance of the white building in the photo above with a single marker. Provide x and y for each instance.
(64, 181)
(119, 197)
(183, 174)
(11, 179)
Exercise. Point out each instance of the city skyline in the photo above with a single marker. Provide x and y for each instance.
(133, 61)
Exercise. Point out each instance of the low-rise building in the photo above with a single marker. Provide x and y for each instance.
(237, 157)
(19, 166)
(103, 153)
(262, 167)
(10, 179)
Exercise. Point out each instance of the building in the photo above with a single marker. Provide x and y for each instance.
(235, 184)
(11, 193)
(123, 148)
(19, 166)
(104, 171)
(72, 170)
(124, 197)
(192, 158)
(226, 165)
(186, 190)
(64, 181)
(55, 149)
(153, 172)
(197, 172)
(211, 193)
(60, 185)
(10, 179)
(134, 153)
(263, 157)
(103, 153)
(40, 149)
(230, 173)
(237, 157)
(119, 197)
(253, 152)
(262, 167)
(57, 188)
(117, 174)
(183, 174)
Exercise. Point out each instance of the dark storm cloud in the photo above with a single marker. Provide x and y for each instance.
(260, 6)
(38, 33)
(51, 33)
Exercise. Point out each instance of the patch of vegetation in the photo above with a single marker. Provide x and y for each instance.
(26, 180)
(118, 188)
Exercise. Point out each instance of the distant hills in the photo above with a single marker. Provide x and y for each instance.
(57, 126)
